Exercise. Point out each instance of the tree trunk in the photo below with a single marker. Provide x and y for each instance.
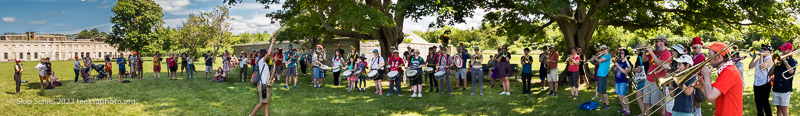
(388, 37)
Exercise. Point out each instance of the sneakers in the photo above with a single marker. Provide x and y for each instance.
(285, 86)
(388, 94)
(399, 95)
(295, 87)
(414, 95)
(505, 93)
(594, 98)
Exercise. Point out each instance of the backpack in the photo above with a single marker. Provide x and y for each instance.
(589, 105)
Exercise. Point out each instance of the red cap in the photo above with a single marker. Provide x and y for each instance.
(320, 46)
(17, 60)
(787, 46)
(718, 46)
(697, 40)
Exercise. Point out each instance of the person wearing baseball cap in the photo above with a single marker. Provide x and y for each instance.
(726, 91)
(396, 63)
(782, 89)
(603, 67)
(654, 58)
(684, 100)
(377, 63)
(18, 75)
(264, 84)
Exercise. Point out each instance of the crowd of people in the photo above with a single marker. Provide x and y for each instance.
(642, 78)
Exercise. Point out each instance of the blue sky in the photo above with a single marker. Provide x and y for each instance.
(72, 16)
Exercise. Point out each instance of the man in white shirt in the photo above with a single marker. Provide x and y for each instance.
(42, 71)
(264, 84)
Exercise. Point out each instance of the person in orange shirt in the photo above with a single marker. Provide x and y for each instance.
(726, 92)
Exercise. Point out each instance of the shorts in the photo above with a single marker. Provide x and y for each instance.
(654, 96)
(601, 84)
(156, 68)
(621, 88)
(278, 69)
(41, 77)
(173, 68)
(209, 69)
(552, 76)
(122, 71)
(380, 75)
(261, 98)
(573, 79)
(317, 73)
(781, 99)
(461, 73)
(417, 81)
(291, 71)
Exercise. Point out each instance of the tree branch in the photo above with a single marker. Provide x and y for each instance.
(543, 26)
(340, 32)
(628, 24)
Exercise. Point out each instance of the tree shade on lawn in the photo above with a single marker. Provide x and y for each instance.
(203, 97)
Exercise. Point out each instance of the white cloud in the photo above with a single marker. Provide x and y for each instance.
(174, 22)
(255, 24)
(38, 22)
(422, 24)
(9, 19)
(173, 5)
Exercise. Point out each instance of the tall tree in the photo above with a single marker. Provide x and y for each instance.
(579, 19)
(134, 22)
(380, 20)
(207, 29)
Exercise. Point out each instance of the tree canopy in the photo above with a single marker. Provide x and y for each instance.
(134, 23)
(578, 20)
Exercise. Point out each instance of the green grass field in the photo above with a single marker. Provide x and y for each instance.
(203, 97)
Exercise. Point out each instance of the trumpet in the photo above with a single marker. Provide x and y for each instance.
(682, 76)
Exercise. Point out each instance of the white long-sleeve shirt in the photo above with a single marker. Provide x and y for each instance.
(42, 69)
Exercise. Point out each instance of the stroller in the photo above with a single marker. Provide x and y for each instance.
(101, 73)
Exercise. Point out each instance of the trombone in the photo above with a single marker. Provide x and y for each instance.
(778, 59)
(682, 76)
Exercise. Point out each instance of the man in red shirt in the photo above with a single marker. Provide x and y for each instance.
(655, 58)
(726, 92)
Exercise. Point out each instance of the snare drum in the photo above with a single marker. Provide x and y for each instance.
(393, 75)
(336, 69)
(372, 74)
(346, 73)
(324, 67)
(439, 75)
(428, 69)
(411, 74)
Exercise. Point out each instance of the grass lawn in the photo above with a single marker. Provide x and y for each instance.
(203, 97)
